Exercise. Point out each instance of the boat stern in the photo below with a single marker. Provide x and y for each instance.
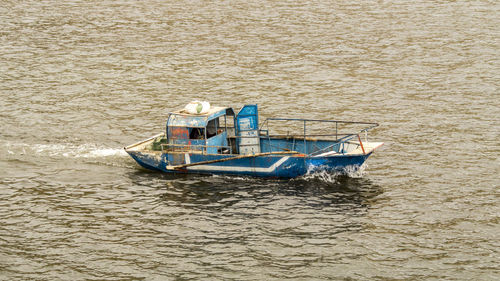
(144, 155)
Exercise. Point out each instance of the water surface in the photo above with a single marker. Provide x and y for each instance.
(81, 79)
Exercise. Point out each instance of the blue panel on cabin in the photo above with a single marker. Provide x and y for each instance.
(247, 123)
(217, 114)
(249, 109)
(248, 118)
(197, 144)
(216, 142)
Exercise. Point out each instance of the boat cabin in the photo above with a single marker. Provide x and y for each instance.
(216, 131)
(208, 133)
(219, 130)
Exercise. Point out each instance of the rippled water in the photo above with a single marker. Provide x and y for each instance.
(81, 79)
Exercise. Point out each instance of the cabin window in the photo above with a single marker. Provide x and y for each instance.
(229, 125)
(196, 133)
(212, 127)
(216, 126)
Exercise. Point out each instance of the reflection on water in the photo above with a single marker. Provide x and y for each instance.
(217, 193)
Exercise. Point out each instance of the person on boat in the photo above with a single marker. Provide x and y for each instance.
(197, 134)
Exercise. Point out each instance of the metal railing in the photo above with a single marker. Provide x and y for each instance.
(345, 137)
(341, 139)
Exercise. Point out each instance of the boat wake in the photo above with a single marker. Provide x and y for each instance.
(63, 150)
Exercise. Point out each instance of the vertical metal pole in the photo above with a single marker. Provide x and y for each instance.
(336, 130)
(204, 150)
(227, 135)
(305, 145)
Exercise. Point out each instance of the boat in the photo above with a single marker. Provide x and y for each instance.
(204, 139)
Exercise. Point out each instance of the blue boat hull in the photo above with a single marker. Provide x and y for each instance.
(219, 141)
(270, 166)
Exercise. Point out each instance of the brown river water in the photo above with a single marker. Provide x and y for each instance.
(79, 80)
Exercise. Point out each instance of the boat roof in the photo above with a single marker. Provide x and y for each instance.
(181, 118)
(212, 110)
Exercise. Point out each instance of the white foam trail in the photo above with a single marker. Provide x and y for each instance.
(64, 150)
(105, 152)
(91, 151)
